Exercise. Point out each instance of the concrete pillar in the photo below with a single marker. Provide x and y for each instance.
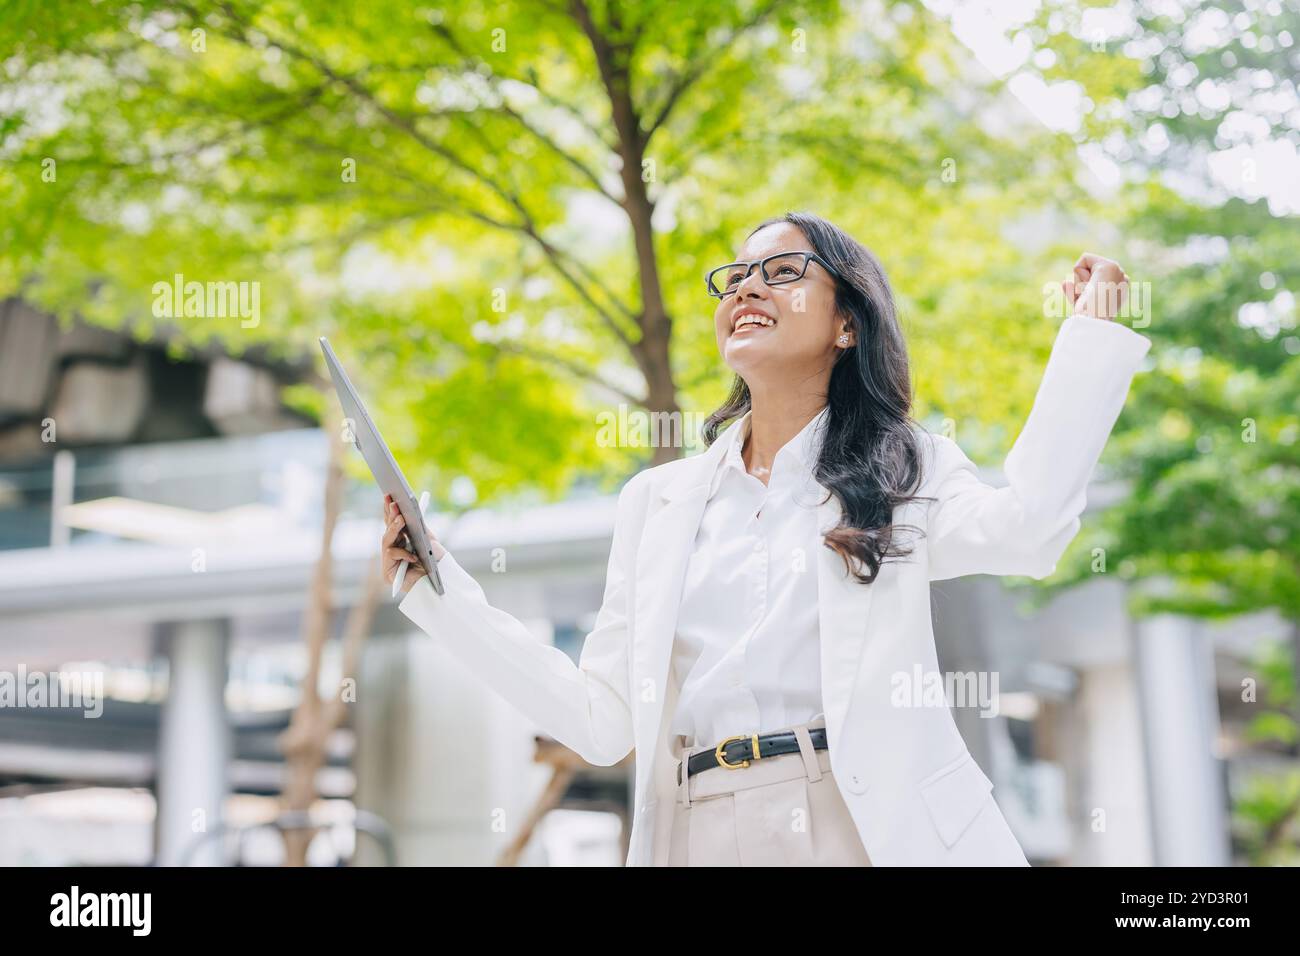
(194, 744)
(62, 494)
(1180, 722)
(1111, 817)
(440, 757)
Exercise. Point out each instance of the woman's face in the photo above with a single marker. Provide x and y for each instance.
(799, 324)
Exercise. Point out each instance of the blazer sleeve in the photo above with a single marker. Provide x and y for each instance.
(1024, 528)
(585, 706)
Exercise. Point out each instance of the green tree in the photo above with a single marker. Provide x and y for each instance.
(543, 182)
(1267, 813)
(1198, 105)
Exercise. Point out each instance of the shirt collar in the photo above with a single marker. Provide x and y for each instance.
(803, 448)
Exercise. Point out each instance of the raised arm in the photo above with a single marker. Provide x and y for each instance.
(584, 706)
(1023, 528)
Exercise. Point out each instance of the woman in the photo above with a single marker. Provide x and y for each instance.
(763, 596)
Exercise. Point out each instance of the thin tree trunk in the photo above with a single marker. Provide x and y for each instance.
(652, 352)
(305, 743)
(303, 753)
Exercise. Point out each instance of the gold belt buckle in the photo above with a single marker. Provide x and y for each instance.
(722, 760)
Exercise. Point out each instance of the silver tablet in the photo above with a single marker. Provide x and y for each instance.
(382, 464)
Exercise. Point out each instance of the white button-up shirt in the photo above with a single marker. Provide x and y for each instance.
(746, 655)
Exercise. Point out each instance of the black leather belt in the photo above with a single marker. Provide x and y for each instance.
(737, 752)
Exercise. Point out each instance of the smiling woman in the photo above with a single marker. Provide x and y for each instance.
(760, 602)
(815, 293)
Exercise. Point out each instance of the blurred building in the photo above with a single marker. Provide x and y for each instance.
(165, 539)
(159, 524)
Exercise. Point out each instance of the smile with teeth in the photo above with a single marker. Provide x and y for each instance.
(753, 319)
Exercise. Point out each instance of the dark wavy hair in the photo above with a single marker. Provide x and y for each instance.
(869, 456)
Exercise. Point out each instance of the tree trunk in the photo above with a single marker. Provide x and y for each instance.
(303, 750)
(652, 352)
(305, 743)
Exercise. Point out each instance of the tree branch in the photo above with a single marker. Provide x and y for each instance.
(700, 65)
(573, 368)
(573, 161)
(395, 118)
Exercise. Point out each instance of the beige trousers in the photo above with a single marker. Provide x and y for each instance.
(779, 811)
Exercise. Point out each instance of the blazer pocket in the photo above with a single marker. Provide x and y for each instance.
(954, 795)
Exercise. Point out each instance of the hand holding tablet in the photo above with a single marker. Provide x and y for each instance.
(400, 565)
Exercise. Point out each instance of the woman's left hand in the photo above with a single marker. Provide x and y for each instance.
(1099, 287)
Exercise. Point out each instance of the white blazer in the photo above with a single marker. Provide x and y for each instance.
(915, 792)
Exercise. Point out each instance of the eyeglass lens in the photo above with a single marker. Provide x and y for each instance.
(786, 267)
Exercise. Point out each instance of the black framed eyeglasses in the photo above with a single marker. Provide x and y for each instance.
(776, 270)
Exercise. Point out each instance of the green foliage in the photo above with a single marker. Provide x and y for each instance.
(482, 258)
(1210, 438)
(1209, 442)
(1266, 811)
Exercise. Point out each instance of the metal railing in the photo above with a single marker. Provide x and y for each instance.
(364, 823)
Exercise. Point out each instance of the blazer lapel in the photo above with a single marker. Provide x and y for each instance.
(661, 561)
